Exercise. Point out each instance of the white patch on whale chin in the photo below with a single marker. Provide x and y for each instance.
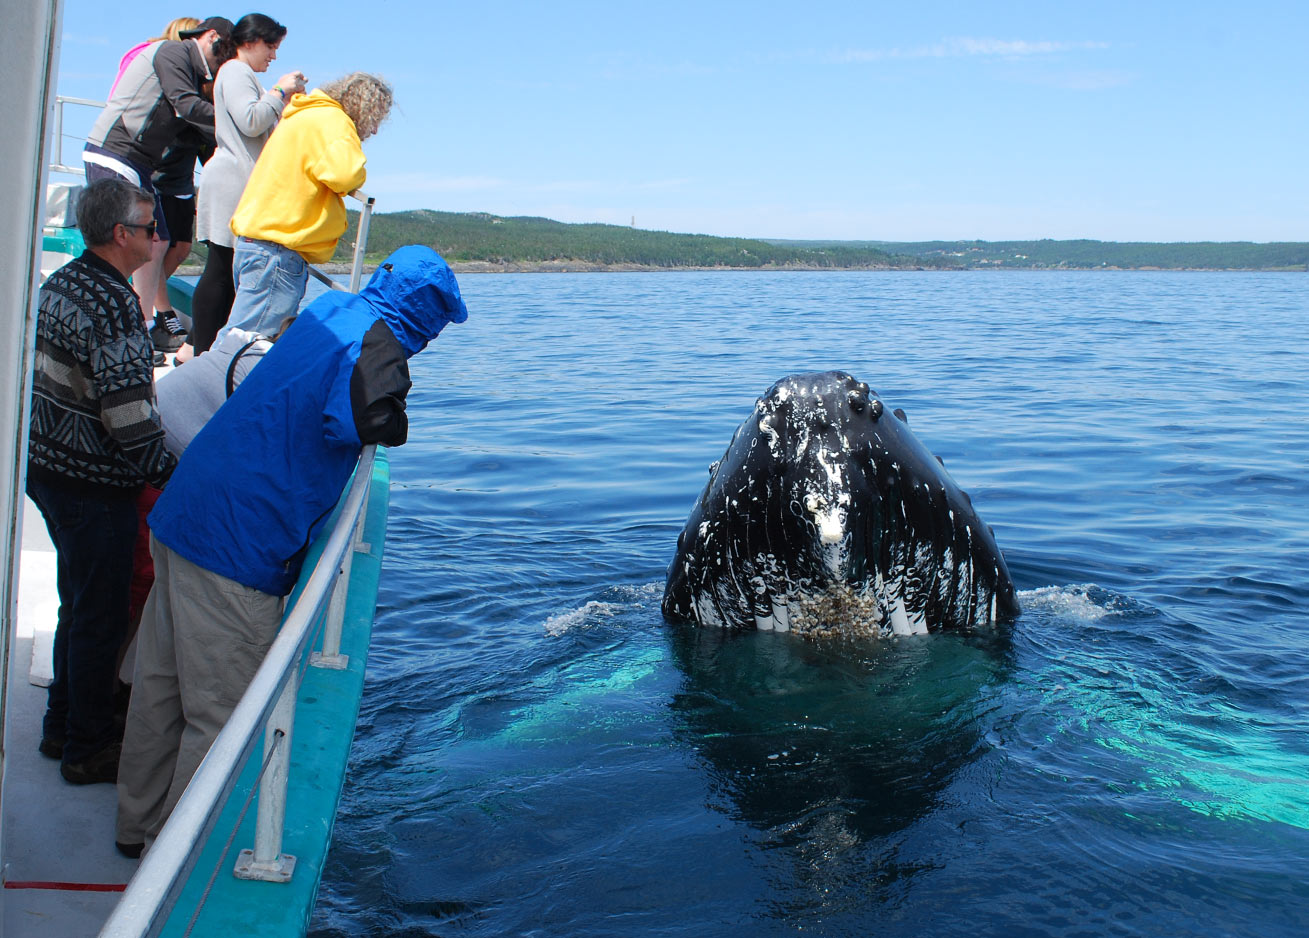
(781, 616)
(705, 611)
(905, 621)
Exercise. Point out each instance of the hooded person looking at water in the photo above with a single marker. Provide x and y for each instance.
(250, 494)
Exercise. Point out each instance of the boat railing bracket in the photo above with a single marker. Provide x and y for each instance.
(279, 871)
(331, 662)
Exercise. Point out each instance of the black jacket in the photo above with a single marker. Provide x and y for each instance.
(157, 97)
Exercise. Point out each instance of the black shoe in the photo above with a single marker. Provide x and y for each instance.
(131, 851)
(101, 767)
(51, 748)
(160, 360)
(168, 319)
(165, 340)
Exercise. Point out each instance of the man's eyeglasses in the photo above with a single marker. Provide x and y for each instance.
(149, 228)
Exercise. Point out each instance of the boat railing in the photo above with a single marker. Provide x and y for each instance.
(366, 201)
(57, 162)
(268, 705)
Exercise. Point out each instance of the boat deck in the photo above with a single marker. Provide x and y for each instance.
(60, 861)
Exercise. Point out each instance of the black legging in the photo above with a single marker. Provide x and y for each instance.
(212, 302)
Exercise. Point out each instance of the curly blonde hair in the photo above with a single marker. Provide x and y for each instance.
(179, 25)
(366, 100)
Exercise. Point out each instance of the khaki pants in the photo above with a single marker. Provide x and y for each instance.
(201, 640)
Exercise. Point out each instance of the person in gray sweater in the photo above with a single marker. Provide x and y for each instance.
(192, 393)
(244, 118)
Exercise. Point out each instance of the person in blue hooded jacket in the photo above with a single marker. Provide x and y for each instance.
(230, 532)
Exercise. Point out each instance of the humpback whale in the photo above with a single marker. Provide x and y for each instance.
(827, 516)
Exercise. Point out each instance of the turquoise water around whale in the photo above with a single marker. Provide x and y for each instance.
(539, 753)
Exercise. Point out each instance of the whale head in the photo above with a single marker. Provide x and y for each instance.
(827, 515)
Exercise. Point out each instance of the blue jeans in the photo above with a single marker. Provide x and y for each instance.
(93, 540)
(270, 283)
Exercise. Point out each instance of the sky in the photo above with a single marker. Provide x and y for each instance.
(1140, 121)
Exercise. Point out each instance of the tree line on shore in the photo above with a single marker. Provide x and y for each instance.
(1084, 254)
(493, 239)
(476, 237)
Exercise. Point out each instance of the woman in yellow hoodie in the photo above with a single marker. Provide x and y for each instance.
(291, 213)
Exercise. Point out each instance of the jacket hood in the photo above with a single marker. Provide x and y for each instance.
(303, 102)
(416, 294)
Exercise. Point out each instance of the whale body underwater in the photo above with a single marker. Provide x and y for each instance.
(827, 516)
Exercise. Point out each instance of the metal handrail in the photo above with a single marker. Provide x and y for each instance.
(58, 164)
(361, 238)
(153, 891)
(361, 241)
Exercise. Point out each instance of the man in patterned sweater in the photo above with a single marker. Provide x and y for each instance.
(95, 438)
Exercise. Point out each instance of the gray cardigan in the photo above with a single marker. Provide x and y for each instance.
(192, 392)
(244, 118)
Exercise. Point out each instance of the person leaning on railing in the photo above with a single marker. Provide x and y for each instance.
(291, 213)
(253, 489)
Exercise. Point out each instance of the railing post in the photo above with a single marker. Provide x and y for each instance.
(266, 861)
(361, 238)
(330, 656)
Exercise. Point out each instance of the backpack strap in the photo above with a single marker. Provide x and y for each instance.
(231, 369)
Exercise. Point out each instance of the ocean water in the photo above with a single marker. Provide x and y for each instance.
(539, 753)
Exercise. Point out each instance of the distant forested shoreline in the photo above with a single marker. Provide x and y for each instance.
(476, 241)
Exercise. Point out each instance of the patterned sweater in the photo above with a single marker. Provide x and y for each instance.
(95, 426)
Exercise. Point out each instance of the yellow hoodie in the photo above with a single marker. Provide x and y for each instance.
(293, 197)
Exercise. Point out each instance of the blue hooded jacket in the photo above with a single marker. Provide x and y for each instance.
(256, 484)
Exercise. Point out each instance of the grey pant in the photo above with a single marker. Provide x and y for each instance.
(202, 638)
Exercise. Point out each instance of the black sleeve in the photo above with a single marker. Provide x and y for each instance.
(178, 81)
(378, 386)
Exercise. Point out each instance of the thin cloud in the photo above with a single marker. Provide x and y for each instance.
(966, 47)
(1016, 47)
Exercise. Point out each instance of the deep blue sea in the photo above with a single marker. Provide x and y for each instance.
(539, 753)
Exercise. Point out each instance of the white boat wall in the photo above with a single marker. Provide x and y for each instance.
(271, 782)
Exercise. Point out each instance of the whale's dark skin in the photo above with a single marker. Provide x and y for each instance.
(827, 515)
